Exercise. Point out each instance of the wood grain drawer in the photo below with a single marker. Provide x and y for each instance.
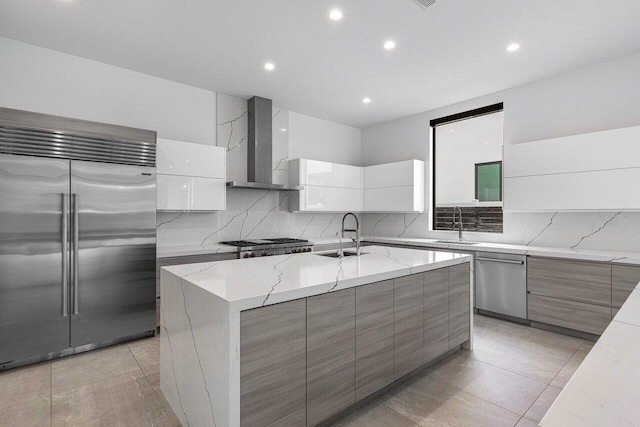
(579, 316)
(624, 279)
(573, 280)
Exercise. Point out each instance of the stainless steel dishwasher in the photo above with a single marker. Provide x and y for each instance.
(501, 285)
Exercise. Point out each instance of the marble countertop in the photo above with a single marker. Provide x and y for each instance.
(580, 254)
(605, 390)
(256, 282)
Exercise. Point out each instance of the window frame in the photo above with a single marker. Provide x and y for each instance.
(434, 123)
(499, 162)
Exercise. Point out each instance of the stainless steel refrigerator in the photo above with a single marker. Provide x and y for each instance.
(77, 236)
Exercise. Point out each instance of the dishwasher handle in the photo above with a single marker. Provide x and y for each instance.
(504, 261)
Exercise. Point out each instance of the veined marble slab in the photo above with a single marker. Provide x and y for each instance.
(200, 316)
(256, 282)
(579, 254)
(605, 390)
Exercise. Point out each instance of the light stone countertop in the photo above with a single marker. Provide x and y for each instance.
(578, 254)
(605, 390)
(256, 282)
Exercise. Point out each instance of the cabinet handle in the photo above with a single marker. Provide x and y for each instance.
(504, 261)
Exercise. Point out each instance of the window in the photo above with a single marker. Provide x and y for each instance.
(467, 170)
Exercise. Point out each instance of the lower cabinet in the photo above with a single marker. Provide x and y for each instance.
(273, 365)
(374, 337)
(408, 335)
(331, 354)
(624, 279)
(579, 295)
(579, 316)
(436, 313)
(304, 361)
(459, 305)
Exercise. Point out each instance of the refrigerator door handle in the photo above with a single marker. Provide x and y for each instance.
(76, 269)
(65, 254)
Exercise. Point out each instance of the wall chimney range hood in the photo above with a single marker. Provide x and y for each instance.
(260, 149)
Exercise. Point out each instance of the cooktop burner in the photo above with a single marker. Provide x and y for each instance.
(264, 242)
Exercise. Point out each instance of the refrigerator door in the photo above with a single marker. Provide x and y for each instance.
(33, 311)
(113, 260)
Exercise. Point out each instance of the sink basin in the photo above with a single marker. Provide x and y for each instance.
(455, 242)
(335, 254)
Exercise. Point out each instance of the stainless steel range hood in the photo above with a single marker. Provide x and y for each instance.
(260, 149)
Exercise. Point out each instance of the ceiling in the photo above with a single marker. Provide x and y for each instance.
(452, 51)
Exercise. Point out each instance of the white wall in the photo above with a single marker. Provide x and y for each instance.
(600, 97)
(42, 80)
(311, 138)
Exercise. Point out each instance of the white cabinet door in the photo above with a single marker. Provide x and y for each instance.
(327, 199)
(191, 177)
(188, 159)
(594, 171)
(187, 193)
(395, 187)
(326, 174)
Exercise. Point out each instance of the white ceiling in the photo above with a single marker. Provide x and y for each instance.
(450, 52)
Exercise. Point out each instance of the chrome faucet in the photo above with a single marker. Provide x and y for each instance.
(459, 221)
(340, 251)
(352, 230)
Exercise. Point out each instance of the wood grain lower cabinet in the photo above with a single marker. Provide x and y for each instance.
(624, 279)
(408, 334)
(579, 316)
(374, 337)
(459, 305)
(331, 354)
(273, 365)
(588, 282)
(436, 313)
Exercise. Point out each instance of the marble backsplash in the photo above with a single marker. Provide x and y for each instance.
(608, 231)
(250, 213)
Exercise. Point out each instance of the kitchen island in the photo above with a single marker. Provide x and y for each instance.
(298, 339)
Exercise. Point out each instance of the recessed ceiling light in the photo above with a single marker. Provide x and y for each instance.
(366, 100)
(513, 47)
(335, 14)
(269, 66)
(389, 44)
(452, 130)
(283, 130)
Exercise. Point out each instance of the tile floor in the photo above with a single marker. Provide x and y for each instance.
(509, 379)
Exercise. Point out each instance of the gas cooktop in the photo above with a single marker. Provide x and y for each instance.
(265, 242)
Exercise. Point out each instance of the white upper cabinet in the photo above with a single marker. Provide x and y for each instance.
(332, 187)
(191, 177)
(595, 171)
(395, 187)
(328, 187)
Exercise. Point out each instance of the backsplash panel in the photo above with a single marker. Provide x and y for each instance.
(608, 231)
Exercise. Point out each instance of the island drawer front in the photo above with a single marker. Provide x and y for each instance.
(459, 304)
(374, 337)
(408, 334)
(587, 282)
(273, 365)
(624, 279)
(579, 316)
(436, 313)
(331, 354)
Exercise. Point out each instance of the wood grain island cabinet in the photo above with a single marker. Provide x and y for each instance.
(304, 361)
(304, 340)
